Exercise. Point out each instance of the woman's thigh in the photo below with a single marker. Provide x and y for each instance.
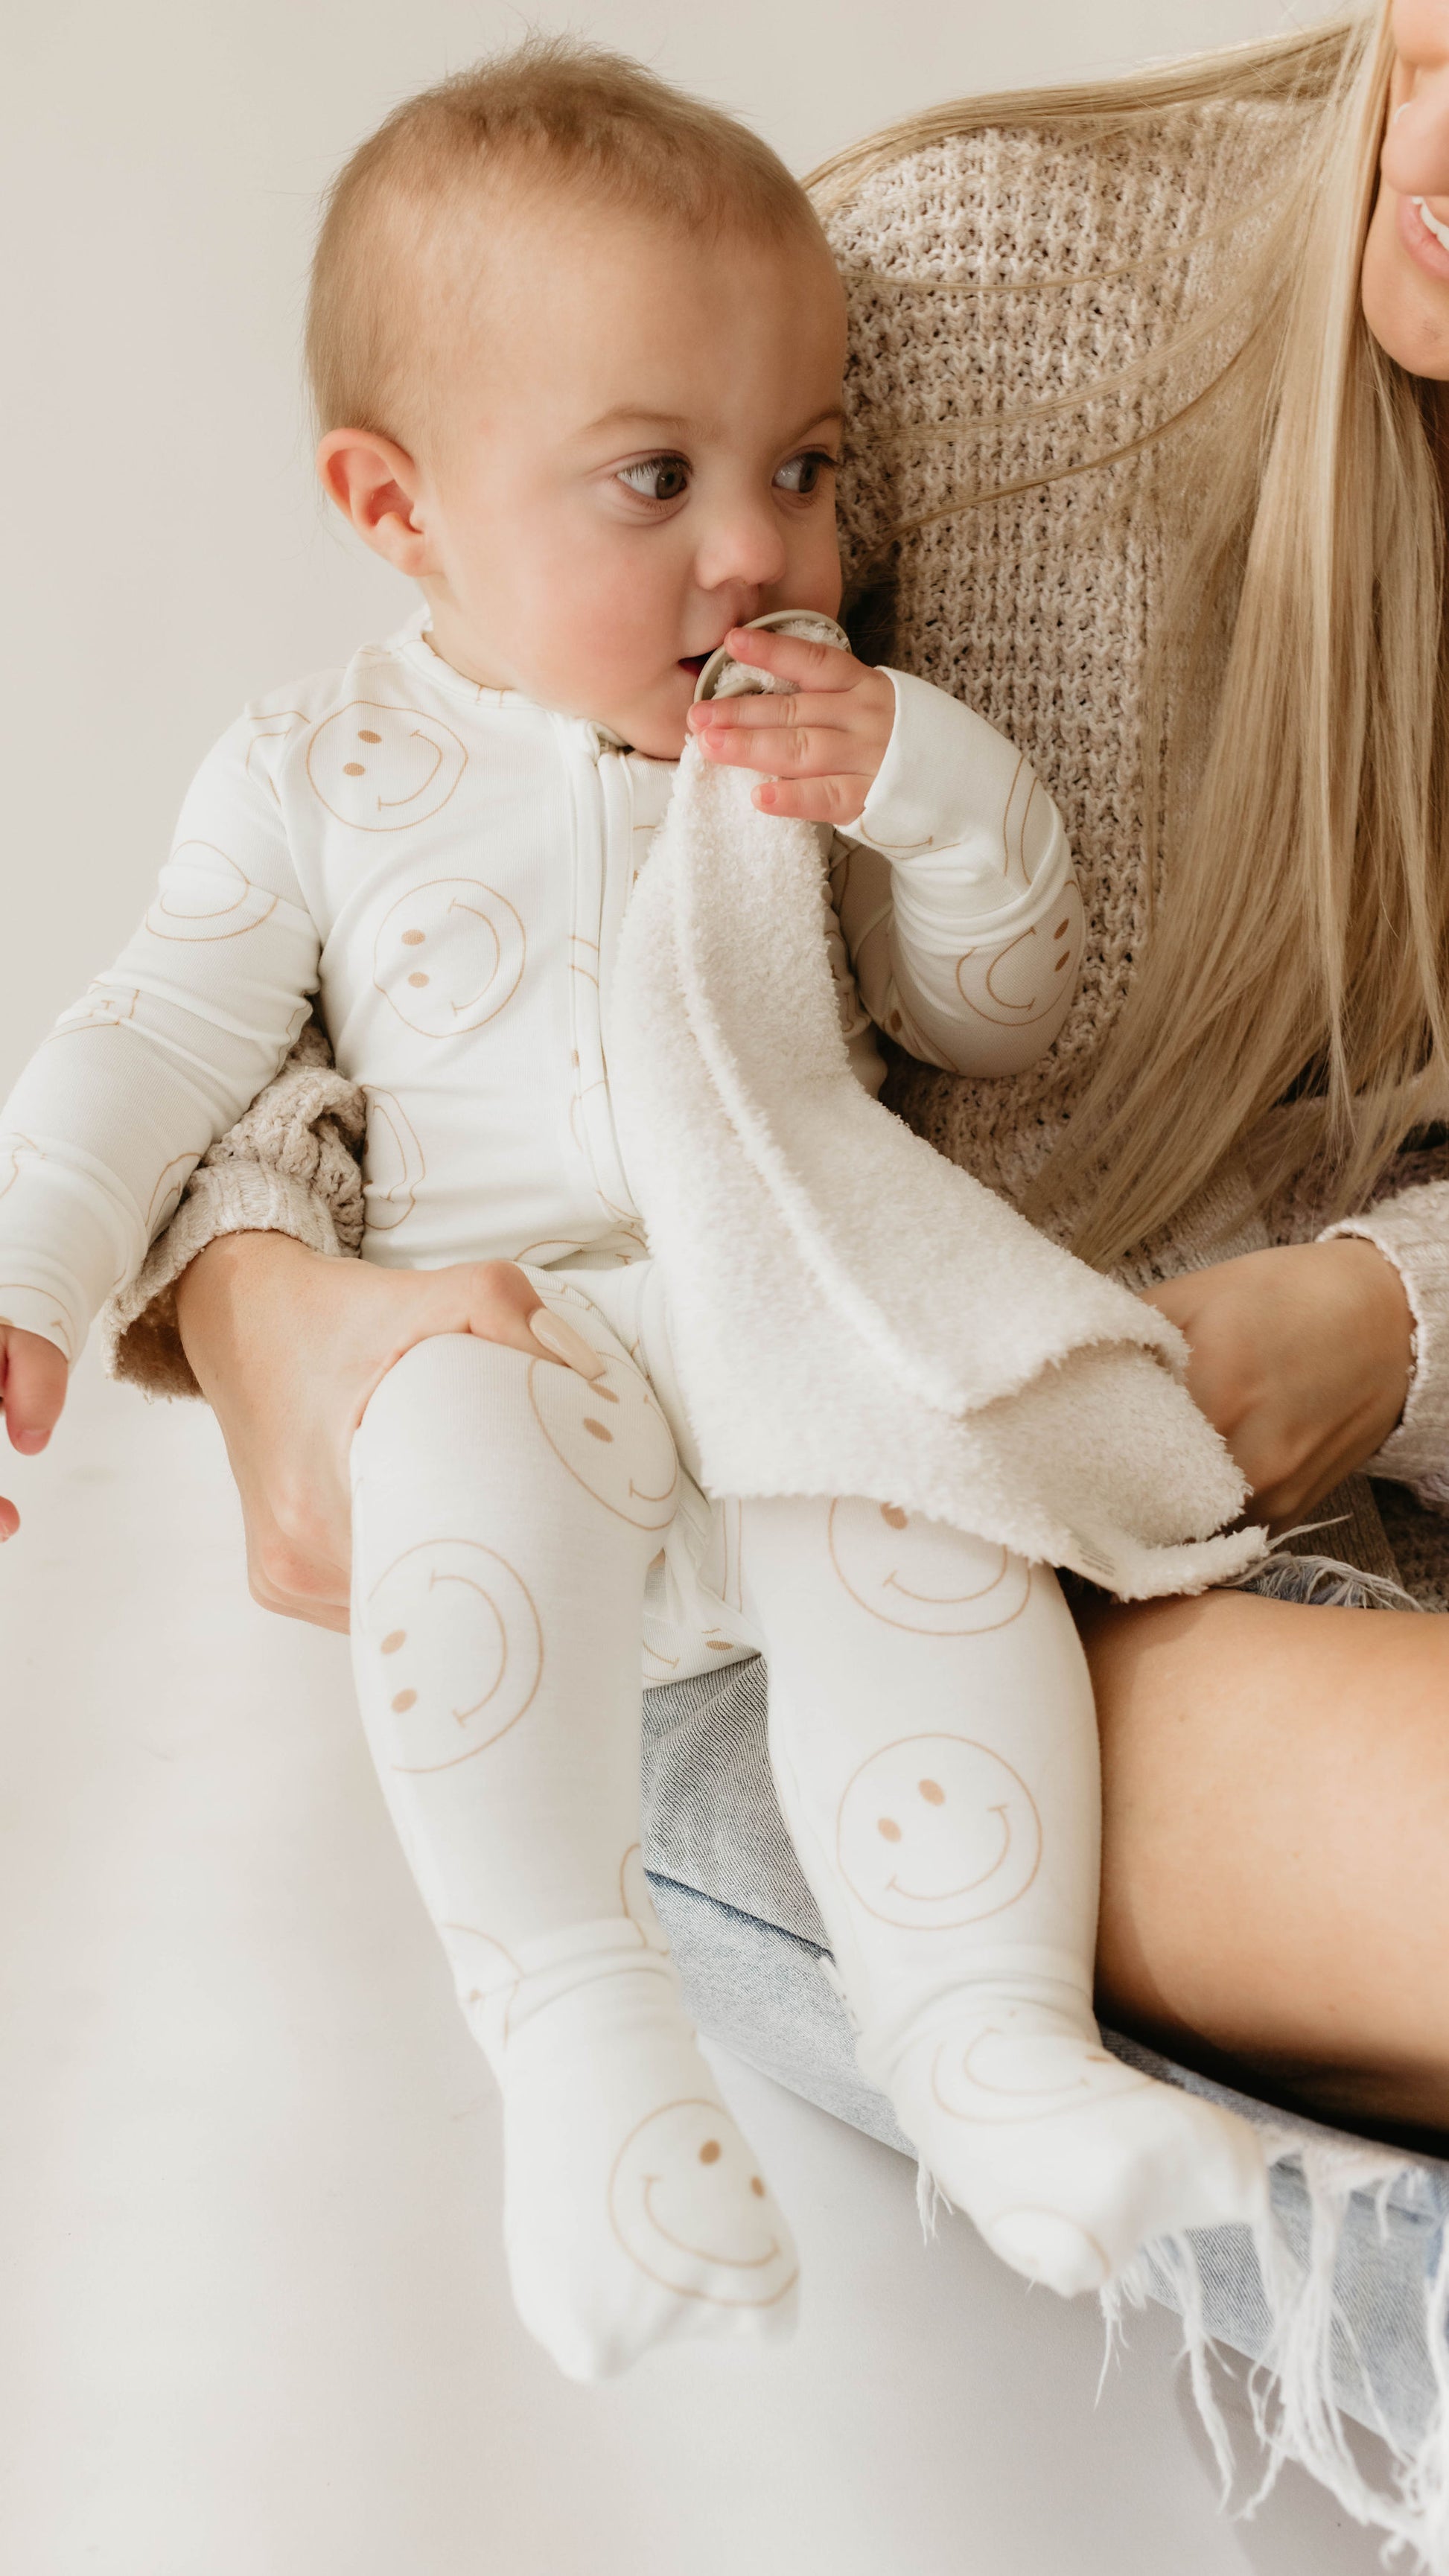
(1276, 1842)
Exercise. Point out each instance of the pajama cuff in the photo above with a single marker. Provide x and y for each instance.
(1412, 1231)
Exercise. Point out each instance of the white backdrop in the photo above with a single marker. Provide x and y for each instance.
(254, 2320)
(167, 555)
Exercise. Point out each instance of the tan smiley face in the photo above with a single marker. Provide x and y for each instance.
(610, 1433)
(922, 1575)
(936, 1831)
(204, 895)
(691, 2208)
(458, 1651)
(382, 769)
(101, 1007)
(1030, 981)
(449, 956)
(1010, 2069)
(15, 1149)
(167, 1194)
(394, 1166)
(487, 1977)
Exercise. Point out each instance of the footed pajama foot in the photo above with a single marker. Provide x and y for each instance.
(1067, 2160)
(634, 2211)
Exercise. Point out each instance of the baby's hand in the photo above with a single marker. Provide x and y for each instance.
(32, 1391)
(821, 744)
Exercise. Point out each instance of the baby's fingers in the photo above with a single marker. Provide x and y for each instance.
(33, 1380)
(837, 799)
(786, 750)
(32, 1390)
(791, 657)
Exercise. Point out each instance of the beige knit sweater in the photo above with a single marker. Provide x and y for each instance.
(985, 274)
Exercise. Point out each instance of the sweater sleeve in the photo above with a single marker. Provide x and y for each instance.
(959, 905)
(291, 1165)
(1412, 1231)
(166, 1049)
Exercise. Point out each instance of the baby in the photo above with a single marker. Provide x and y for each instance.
(577, 345)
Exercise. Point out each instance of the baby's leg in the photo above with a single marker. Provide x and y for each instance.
(506, 1514)
(934, 1744)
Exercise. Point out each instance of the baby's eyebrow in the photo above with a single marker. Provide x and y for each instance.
(674, 425)
(629, 415)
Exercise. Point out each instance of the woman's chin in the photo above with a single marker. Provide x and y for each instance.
(1405, 288)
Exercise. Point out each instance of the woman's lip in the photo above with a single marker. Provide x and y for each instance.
(1419, 242)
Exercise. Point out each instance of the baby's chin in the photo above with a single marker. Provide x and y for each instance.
(656, 722)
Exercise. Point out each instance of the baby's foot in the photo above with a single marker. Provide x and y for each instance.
(1066, 2159)
(634, 2210)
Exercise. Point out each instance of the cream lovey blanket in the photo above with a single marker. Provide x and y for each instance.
(852, 1314)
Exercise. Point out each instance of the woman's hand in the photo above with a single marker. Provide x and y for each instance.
(1301, 1357)
(289, 1347)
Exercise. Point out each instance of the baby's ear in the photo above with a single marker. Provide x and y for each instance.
(376, 485)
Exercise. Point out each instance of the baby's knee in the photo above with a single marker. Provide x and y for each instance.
(443, 1389)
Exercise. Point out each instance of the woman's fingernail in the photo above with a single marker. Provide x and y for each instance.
(562, 1343)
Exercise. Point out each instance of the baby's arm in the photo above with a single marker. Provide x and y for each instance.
(953, 881)
(956, 893)
(162, 1054)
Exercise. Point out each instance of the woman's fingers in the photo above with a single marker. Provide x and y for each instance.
(497, 1301)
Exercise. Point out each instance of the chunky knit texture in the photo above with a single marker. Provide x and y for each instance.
(987, 274)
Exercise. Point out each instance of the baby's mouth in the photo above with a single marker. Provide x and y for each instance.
(693, 663)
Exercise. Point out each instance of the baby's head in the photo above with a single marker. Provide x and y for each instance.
(576, 345)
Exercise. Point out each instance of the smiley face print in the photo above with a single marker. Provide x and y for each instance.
(487, 1978)
(936, 1831)
(14, 1150)
(382, 769)
(690, 2208)
(637, 1901)
(460, 1650)
(101, 1007)
(923, 1575)
(166, 1196)
(610, 1433)
(1013, 2067)
(1032, 979)
(449, 956)
(394, 1167)
(205, 895)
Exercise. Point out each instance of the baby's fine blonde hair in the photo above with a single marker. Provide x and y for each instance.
(398, 250)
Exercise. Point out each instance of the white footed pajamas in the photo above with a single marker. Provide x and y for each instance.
(450, 867)
(934, 1746)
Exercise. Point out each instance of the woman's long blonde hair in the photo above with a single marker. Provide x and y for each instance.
(1295, 750)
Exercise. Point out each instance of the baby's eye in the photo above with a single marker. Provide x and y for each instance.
(803, 474)
(657, 478)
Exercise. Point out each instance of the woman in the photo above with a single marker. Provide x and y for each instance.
(1211, 439)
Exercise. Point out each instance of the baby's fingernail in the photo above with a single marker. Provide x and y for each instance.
(562, 1343)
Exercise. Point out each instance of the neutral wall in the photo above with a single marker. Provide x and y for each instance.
(161, 162)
